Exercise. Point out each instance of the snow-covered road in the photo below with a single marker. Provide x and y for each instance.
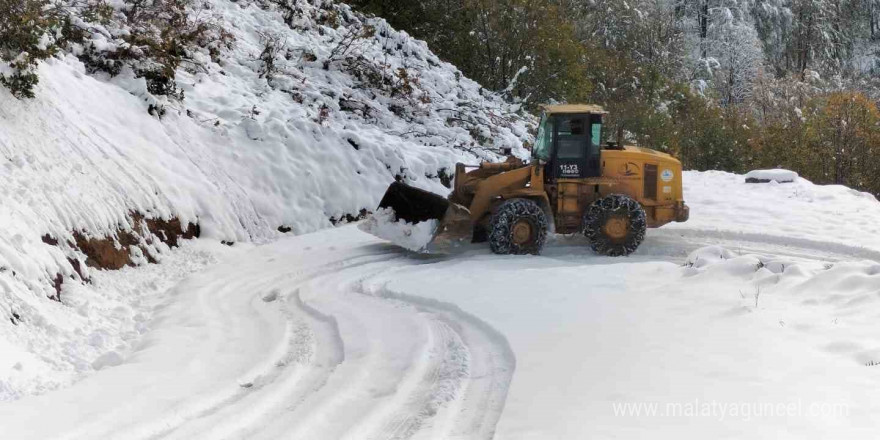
(285, 341)
(721, 332)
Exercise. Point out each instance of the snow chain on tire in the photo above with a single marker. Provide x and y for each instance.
(503, 223)
(616, 207)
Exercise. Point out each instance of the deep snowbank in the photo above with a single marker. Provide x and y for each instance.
(241, 156)
(722, 204)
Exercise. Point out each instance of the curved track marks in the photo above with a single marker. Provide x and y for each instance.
(354, 361)
(296, 340)
(410, 370)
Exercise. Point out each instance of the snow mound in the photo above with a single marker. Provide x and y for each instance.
(109, 359)
(846, 288)
(414, 237)
(801, 213)
(775, 175)
(707, 255)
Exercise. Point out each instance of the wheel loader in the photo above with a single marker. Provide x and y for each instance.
(611, 193)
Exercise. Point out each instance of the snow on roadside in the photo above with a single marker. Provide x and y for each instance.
(596, 337)
(241, 155)
(798, 213)
(98, 324)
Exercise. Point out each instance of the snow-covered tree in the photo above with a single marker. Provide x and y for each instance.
(814, 35)
(647, 31)
(724, 52)
(740, 58)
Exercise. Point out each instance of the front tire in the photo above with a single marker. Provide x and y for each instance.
(519, 226)
(615, 225)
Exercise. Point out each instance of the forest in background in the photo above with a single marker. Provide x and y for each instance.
(722, 84)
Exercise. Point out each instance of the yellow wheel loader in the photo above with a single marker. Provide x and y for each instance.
(610, 193)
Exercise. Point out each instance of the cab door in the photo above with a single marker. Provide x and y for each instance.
(574, 153)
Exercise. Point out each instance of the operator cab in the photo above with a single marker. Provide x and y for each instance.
(568, 141)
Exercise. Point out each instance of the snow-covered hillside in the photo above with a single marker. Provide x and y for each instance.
(243, 157)
(752, 321)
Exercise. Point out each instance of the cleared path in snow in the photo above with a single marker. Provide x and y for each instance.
(338, 335)
(287, 342)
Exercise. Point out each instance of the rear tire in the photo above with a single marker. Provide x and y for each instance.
(615, 225)
(519, 226)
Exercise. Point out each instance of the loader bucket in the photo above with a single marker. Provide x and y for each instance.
(413, 205)
(419, 220)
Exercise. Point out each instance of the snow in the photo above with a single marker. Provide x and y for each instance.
(725, 326)
(774, 175)
(414, 237)
(754, 319)
(240, 155)
(98, 324)
(831, 217)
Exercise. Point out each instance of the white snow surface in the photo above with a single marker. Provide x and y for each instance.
(832, 217)
(754, 320)
(777, 175)
(414, 237)
(240, 155)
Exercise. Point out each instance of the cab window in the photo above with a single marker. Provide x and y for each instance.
(572, 136)
(597, 133)
(544, 139)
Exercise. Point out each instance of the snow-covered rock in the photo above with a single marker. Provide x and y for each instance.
(774, 175)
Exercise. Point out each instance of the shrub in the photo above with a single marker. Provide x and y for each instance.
(164, 34)
(842, 133)
(524, 48)
(161, 36)
(273, 44)
(709, 137)
(26, 37)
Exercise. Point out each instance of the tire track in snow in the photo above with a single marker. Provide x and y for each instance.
(448, 361)
(384, 343)
(216, 301)
(749, 242)
(438, 371)
(330, 357)
(313, 352)
(452, 383)
(491, 364)
(306, 368)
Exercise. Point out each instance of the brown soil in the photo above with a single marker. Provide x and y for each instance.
(114, 252)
